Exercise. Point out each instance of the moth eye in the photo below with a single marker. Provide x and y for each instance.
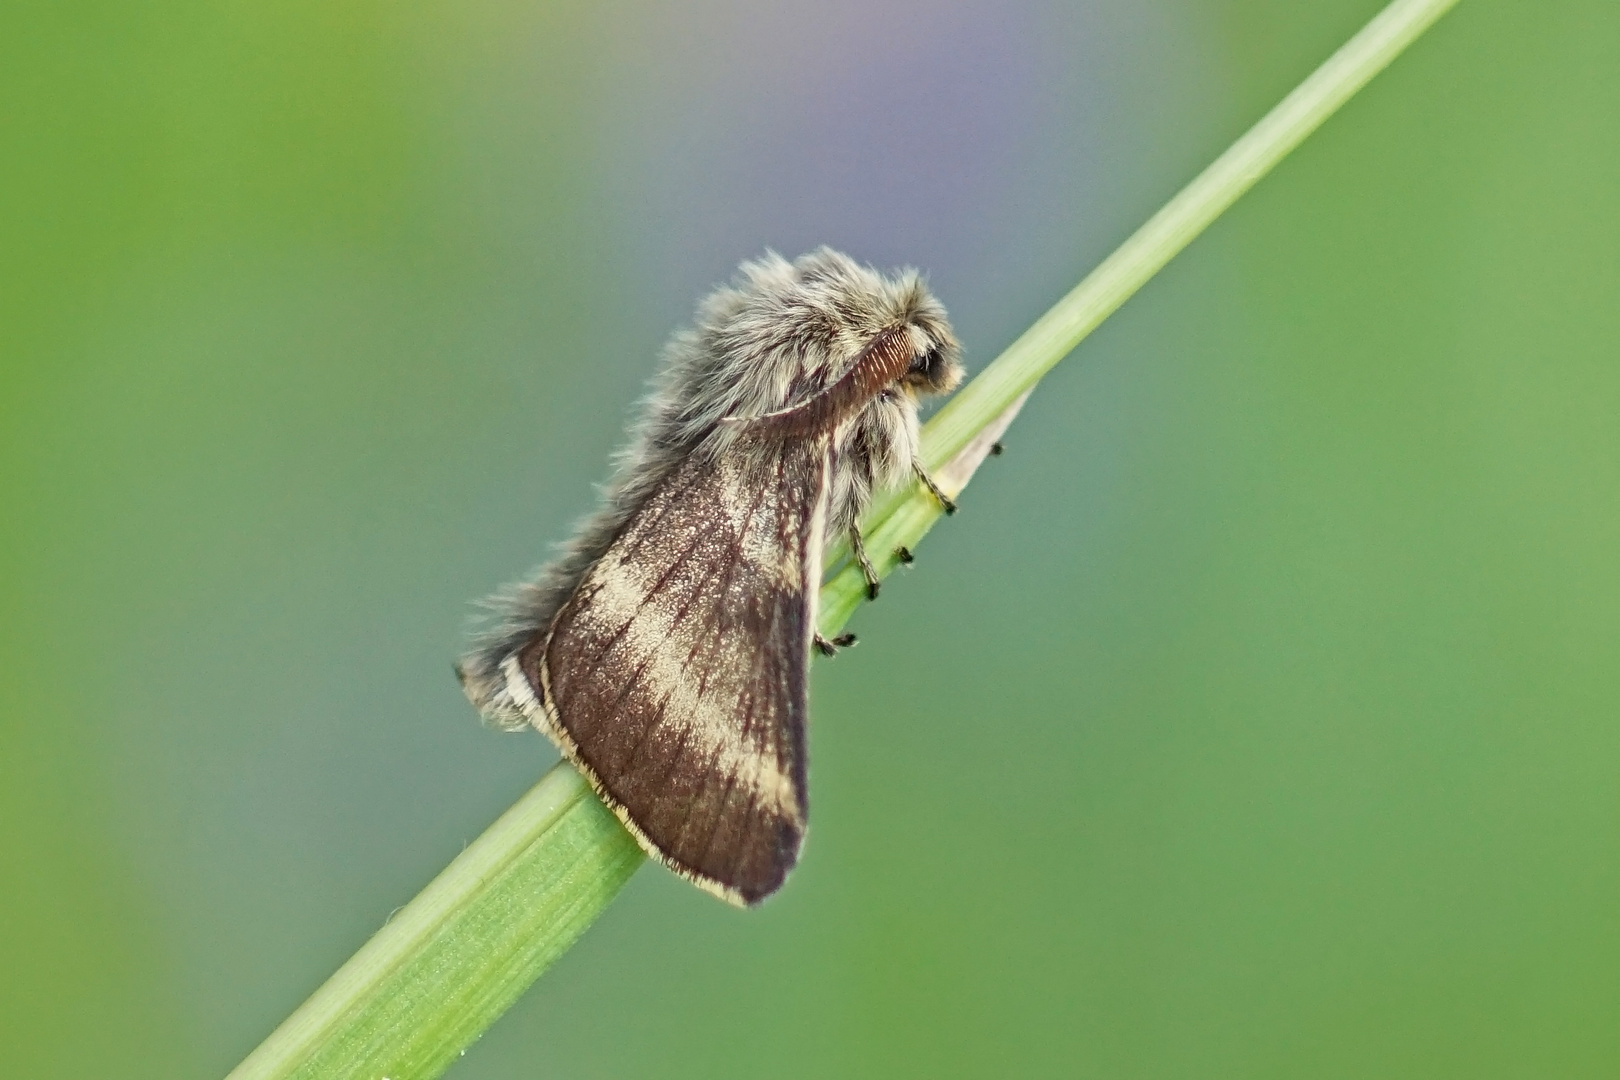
(927, 363)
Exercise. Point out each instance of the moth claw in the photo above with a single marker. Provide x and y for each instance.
(830, 648)
(905, 556)
(858, 547)
(945, 500)
(996, 449)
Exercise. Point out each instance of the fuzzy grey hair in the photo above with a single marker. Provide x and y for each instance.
(780, 332)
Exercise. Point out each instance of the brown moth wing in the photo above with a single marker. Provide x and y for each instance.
(676, 675)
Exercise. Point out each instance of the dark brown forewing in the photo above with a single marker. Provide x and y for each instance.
(885, 359)
(678, 669)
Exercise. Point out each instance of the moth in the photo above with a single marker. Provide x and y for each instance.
(666, 649)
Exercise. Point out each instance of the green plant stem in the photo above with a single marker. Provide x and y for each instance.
(455, 958)
(450, 962)
(1055, 334)
(1163, 236)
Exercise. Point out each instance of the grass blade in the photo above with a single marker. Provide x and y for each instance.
(450, 962)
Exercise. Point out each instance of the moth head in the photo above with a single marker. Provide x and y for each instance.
(905, 304)
(830, 309)
(802, 347)
(935, 369)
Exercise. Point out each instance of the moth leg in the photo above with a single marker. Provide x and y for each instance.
(830, 648)
(858, 546)
(933, 488)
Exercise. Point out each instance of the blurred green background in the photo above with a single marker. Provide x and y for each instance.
(1259, 715)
